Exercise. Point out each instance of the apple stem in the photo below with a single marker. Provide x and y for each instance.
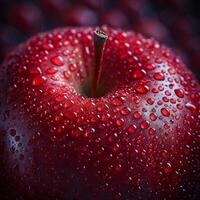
(99, 43)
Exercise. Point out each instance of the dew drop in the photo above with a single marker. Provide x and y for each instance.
(132, 129)
(67, 74)
(117, 101)
(152, 131)
(138, 73)
(150, 67)
(125, 111)
(137, 115)
(159, 76)
(105, 117)
(47, 46)
(179, 93)
(165, 112)
(51, 70)
(168, 168)
(150, 101)
(191, 107)
(35, 70)
(57, 60)
(38, 80)
(144, 124)
(153, 116)
(142, 89)
(120, 122)
(179, 106)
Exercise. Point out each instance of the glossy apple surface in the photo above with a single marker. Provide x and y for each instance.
(138, 139)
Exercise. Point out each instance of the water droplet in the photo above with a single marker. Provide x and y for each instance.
(67, 74)
(168, 168)
(165, 112)
(179, 93)
(153, 116)
(138, 73)
(117, 101)
(35, 70)
(150, 67)
(137, 115)
(47, 46)
(179, 106)
(120, 122)
(125, 111)
(38, 80)
(142, 89)
(57, 60)
(51, 70)
(191, 107)
(159, 76)
(132, 129)
(72, 68)
(152, 131)
(101, 108)
(150, 101)
(165, 99)
(144, 124)
(105, 117)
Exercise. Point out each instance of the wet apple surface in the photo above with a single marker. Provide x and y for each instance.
(138, 138)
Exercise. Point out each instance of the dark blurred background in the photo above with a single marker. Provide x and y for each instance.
(175, 23)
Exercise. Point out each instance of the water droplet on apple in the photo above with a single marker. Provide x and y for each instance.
(137, 115)
(165, 112)
(38, 80)
(144, 124)
(117, 101)
(152, 131)
(47, 46)
(57, 60)
(132, 129)
(51, 70)
(191, 107)
(138, 73)
(67, 74)
(150, 67)
(150, 101)
(168, 168)
(153, 116)
(125, 111)
(142, 89)
(35, 70)
(179, 93)
(159, 76)
(120, 122)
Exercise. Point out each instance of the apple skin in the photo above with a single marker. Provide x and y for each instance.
(139, 140)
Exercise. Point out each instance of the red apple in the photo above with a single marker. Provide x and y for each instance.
(86, 117)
